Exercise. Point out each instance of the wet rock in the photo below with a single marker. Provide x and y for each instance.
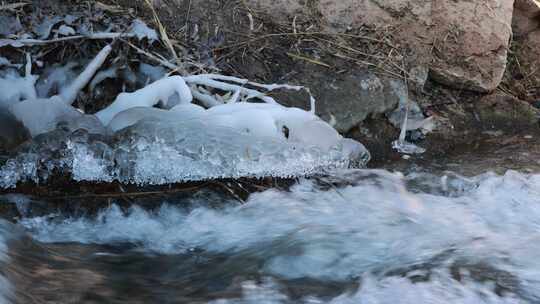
(497, 111)
(347, 100)
(359, 97)
(12, 131)
(471, 43)
(377, 135)
(8, 211)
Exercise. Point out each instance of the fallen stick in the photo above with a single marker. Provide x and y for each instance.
(32, 42)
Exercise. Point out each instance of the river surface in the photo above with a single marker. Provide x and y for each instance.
(459, 229)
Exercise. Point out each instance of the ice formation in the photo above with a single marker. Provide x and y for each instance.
(161, 152)
(408, 117)
(142, 31)
(55, 78)
(146, 140)
(42, 115)
(15, 88)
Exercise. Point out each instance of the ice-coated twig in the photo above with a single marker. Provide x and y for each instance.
(209, 82)
(155, 58)
(148, 96)
(102, 75)
(28, 67)
(69, 94)
(235, 97)
(207, 100)
(32, 42)
(268, 87)
(216, 81)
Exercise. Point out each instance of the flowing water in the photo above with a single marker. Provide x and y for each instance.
(413, 234)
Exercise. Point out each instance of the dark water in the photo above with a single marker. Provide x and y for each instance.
(425, 235)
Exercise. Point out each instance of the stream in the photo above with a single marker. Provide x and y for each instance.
(462, 228)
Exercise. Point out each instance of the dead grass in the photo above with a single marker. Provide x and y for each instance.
(518, 81)
(250, 33)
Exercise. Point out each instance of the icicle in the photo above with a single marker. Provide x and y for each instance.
(401, 145)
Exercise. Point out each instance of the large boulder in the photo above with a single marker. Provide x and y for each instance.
(499, 111)
(409, 22)
(526, 17)
(464, 42)
(526, 72)
(347, 99)
(350, 99)
(528, 55)
(471, 42)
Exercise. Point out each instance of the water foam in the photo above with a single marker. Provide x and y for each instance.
(441, 289)
(6, 288)
(346, 226)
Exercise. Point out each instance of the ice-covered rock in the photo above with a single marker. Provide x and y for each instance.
(144, 144)
(43, 115)
(149, 73)
(15, 88)
(179, 113)
(55, 78)
(255, 119)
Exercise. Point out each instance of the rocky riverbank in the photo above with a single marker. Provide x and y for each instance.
(472, 66)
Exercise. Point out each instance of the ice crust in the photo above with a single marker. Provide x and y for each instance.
(143, 144)
(158, 152)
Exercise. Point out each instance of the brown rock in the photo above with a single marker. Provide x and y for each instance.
(408, 20)
(464, 42)
(500, 111)
(526, 17)
(528, 56)
(471, 42)
(529, 8)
